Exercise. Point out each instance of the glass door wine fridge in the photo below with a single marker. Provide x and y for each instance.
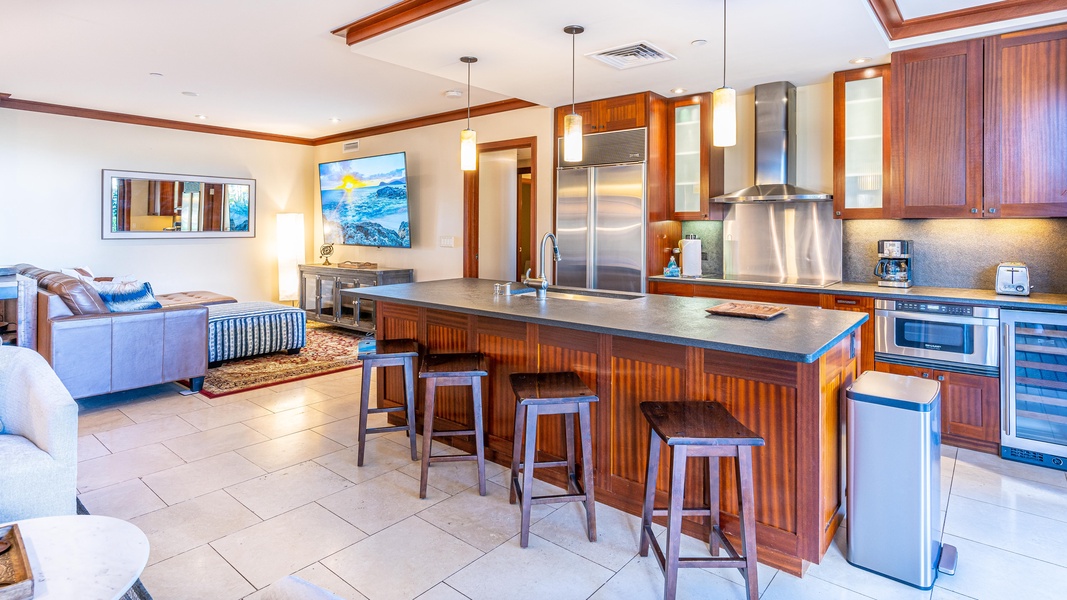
(1034, 385)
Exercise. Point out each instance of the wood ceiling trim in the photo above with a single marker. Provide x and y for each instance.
(101, 115)
(453, 115)
(392, 17)
(897, 27)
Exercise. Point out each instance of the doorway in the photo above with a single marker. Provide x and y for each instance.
(500, 211)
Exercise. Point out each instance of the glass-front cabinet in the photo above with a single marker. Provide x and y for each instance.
(695, 166)
(861, 143)
(322, 299)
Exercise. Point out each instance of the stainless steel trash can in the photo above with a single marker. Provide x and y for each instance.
(894, 477)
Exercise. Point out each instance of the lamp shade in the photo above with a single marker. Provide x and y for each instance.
(290, 254)
(468, 150)
(572, 138)
(724, 117)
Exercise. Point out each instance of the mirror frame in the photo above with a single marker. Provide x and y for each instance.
(105, 196)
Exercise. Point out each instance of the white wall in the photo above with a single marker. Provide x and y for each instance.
(498, 182)
(435, 188)
(50, 205)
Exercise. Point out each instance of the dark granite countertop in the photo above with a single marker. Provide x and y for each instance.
(1047, 302)
(801, 334)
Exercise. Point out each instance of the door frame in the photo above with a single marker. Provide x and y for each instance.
(471, 206)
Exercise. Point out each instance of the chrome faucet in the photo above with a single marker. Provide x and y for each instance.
(540, 283)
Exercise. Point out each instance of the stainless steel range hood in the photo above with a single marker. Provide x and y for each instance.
(776, 145)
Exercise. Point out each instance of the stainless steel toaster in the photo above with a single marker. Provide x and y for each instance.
(1013, 278)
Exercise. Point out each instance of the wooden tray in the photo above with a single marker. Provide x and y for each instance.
(747, 310)
(16, 579)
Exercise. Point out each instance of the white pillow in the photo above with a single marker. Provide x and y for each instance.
(82, 273)
(115, 286)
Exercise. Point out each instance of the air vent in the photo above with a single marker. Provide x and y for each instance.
(352, 146)
(633, 55)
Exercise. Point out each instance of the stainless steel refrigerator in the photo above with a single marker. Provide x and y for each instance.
(600, 214)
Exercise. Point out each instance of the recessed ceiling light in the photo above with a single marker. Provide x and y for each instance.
(453, 93)
(335, 120)
(201, 117)
(698, 42)
(679, 90)
(156, 74)
(190, 94)
(861, 60)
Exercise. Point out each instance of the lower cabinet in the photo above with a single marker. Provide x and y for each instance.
(970, 406)
(320, 293)
(861, 304)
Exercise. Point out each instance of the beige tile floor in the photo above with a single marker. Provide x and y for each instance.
(239, 491)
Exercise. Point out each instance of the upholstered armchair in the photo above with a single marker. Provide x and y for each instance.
(38, 439)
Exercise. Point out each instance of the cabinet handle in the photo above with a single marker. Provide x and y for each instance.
(848, 302)
(992, 210)
(926, 375)
(974, 210)
(837, 213)
(940, 377)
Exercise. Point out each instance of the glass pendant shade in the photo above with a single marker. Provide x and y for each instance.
(724, 117)
(572, 138)
(468, 150)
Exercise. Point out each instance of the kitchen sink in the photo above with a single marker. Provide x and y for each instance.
(582, 295)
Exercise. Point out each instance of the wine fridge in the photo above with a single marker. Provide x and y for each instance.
(1034, 388)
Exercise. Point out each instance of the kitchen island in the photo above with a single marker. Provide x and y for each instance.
(782, 378)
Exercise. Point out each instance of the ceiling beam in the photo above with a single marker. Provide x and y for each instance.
(392, 17)
(480, 110)
(897, 27)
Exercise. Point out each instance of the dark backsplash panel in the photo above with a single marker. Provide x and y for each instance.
(954, 253)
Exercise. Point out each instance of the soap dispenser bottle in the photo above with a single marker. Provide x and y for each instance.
(672, 270)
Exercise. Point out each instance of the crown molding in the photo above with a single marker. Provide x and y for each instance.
(897, 27)
(393, 17)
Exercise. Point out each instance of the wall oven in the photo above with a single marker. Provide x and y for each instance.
(953, 337)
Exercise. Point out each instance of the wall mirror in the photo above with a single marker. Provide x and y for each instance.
(171, 206)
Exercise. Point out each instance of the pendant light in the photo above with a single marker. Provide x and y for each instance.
(468, 139)
(724, 103)
(572, 123)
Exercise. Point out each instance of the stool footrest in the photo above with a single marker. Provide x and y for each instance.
(452, 458)
(734, 561)
(686, 512)
(388, 409)
(452, 433)
(387, 429)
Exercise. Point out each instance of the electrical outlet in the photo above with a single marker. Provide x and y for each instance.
(448, 241)
(703, 256)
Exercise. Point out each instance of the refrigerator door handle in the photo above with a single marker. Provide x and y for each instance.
(591, 240)
(1007, 372)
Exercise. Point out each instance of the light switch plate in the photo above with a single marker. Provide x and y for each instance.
(448, 241)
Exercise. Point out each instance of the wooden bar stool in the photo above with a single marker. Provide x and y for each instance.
(699, 429)
(552, 394)
(388, 353)
(451, 370)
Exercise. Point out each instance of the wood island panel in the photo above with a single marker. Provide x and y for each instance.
(795, 407)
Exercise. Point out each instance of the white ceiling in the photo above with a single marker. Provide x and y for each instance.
(910, 9)
(273, 65)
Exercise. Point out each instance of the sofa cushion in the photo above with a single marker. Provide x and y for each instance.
(79, 296)
(127, 297)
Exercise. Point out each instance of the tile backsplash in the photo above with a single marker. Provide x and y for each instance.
(956, 253)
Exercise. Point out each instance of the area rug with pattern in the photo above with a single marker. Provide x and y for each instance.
(328, 350)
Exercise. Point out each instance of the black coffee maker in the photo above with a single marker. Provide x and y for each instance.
(894, 263)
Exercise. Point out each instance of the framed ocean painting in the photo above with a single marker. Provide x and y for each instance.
(365, 201)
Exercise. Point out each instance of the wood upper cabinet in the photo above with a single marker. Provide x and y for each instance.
(694, 166)
(609, 114)
(861, 143)
(936, 136)
(1026, 123)
(970, 406)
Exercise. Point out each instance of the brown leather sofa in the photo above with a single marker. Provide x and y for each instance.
(95, 351)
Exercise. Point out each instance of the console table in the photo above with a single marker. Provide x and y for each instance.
(83, 556)
(320, 293)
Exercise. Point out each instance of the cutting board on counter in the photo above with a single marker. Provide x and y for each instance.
(748, 310)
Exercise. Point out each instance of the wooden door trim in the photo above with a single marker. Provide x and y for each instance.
(897, 27)
(470, 201)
